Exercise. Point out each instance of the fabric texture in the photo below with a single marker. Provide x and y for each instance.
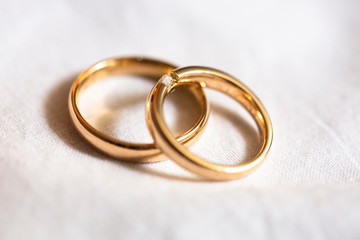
(301, 58)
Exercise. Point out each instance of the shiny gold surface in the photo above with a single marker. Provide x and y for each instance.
(212, 78)
(150, 68)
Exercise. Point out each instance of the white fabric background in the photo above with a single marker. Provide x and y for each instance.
(301, 58)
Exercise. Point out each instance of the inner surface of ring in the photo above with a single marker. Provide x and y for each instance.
(126, 66)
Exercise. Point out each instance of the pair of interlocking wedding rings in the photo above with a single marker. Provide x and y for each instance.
(170, 78)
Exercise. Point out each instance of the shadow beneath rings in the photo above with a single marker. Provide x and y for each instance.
(58, 118)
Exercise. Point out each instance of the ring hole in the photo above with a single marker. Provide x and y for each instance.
(116, 107)
(231, 136)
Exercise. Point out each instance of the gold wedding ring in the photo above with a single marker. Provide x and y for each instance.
(146, 67)
(212, 78)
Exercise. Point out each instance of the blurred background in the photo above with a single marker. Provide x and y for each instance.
(300, 57)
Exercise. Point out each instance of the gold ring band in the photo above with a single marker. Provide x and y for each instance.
(212, 78)
(146, 67)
